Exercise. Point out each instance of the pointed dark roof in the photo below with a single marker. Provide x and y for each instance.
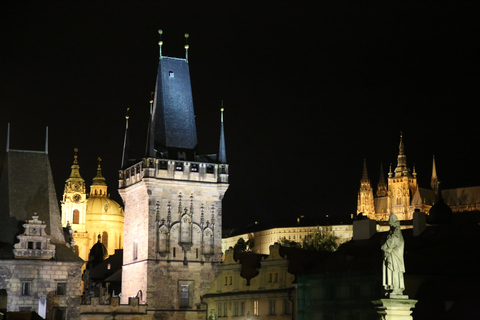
(26, 187)
(222, 153)
(173, 115)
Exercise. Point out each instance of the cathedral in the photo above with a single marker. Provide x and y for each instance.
(400, 194)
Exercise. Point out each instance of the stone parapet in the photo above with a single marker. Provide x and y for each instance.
(174, 170)
(96, 310)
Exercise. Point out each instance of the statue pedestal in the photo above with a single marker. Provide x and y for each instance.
(397, 307)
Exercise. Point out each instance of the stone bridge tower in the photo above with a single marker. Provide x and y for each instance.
(173, 204)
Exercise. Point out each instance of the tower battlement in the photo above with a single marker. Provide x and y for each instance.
(173, 170)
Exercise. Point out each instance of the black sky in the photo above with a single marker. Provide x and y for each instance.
(310, 89)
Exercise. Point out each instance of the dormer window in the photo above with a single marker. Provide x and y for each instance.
(171, 74)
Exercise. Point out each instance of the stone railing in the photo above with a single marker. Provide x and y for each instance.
(113, 307)
(173, 170)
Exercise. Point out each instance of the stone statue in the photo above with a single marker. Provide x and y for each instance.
(393, 264)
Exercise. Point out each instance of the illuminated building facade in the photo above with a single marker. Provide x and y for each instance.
(92, 216)
(401, 195)
(39, 272)
(173, 205)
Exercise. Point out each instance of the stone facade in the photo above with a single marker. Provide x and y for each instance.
(254, 286)
(28, 282)
(173, 223)
(263, 239)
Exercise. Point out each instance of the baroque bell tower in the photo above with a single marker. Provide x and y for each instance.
(173, 204)
(74, 208)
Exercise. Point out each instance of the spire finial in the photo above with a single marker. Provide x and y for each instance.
(75, 156)
(221, 112)
(125, 142)
(186, 46)
(160, 43)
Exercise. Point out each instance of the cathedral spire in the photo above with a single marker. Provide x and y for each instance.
(401, 169)
(434, 183)
(382, 185)
(222, 155)
(365, 173)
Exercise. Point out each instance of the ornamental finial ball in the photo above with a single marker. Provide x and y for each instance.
(221, 109)
(187, 46)
(75, 150)
(186, 35)
(160, 43)
(160, 31)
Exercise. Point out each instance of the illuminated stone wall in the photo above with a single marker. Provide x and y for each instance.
(42, 278)
(172, 235)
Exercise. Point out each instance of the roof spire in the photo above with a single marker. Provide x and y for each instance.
(382, 185)
(149, 148)
(125, 143)
(160, 43)
(365, 174)
(186, 46)
(434, 183)
(222, 155)
(8, 137)
(46, 141)
(401, 169)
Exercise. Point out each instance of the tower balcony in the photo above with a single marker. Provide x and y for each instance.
(173, 170)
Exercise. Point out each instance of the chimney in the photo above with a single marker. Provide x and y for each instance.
(364, 229)
(419, 222)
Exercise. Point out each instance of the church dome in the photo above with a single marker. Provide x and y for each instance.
(103, 205)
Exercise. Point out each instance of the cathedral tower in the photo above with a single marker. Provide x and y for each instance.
(365, 203)
(173, 205)
(402, 184)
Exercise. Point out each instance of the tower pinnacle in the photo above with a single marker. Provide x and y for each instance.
(222, 155)
(434, 183)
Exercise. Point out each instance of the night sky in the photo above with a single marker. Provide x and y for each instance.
(309, 89)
